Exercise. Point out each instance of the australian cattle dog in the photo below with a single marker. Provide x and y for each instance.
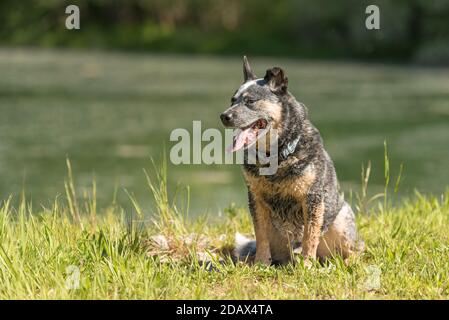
(299, 207)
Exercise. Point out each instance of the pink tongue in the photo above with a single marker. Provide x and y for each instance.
(243, 137)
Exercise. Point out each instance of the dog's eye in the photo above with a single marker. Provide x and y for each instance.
(249, 100)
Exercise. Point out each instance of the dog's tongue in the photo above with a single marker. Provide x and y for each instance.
(243, 137)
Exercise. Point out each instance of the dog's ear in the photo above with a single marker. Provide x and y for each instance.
(247, 72)
(277, 80)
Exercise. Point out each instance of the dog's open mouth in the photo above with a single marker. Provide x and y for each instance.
(246, 136)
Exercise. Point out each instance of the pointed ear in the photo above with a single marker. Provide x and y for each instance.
(277, 80)
(247, 72)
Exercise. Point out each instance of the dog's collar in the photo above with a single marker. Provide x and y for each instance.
(288, 149)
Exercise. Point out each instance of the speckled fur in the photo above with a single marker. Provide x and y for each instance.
(301, 202)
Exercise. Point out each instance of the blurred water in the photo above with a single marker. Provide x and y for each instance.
(109, 113)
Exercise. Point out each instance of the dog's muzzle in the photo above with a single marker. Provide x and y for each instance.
(226, 118)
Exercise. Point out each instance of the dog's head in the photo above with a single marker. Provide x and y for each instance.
(256, 106)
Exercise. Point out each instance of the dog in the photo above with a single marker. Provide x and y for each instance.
(299, 206)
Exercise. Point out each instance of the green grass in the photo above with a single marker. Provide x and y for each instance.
(406, 257)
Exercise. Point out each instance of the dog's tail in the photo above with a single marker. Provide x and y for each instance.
(245, 248)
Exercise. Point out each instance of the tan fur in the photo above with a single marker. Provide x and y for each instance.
(257, 185)
(263, 227)
(296, 187)
(273, 109)
(300, 186)
(279, 243)
(272, 241)
(334, 241)
(313, 221)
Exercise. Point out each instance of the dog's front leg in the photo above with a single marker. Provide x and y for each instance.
(262, 226)
(313, 209)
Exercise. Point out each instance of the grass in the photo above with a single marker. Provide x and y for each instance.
(46, 252)
(108, 111)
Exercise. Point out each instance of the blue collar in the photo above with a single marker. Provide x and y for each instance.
(289, 149)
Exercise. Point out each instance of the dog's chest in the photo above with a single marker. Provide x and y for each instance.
(284, 197)
(286, 212)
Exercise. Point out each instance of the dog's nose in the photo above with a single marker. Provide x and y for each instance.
(226, 118)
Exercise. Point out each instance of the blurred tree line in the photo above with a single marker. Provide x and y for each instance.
(416, 30)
